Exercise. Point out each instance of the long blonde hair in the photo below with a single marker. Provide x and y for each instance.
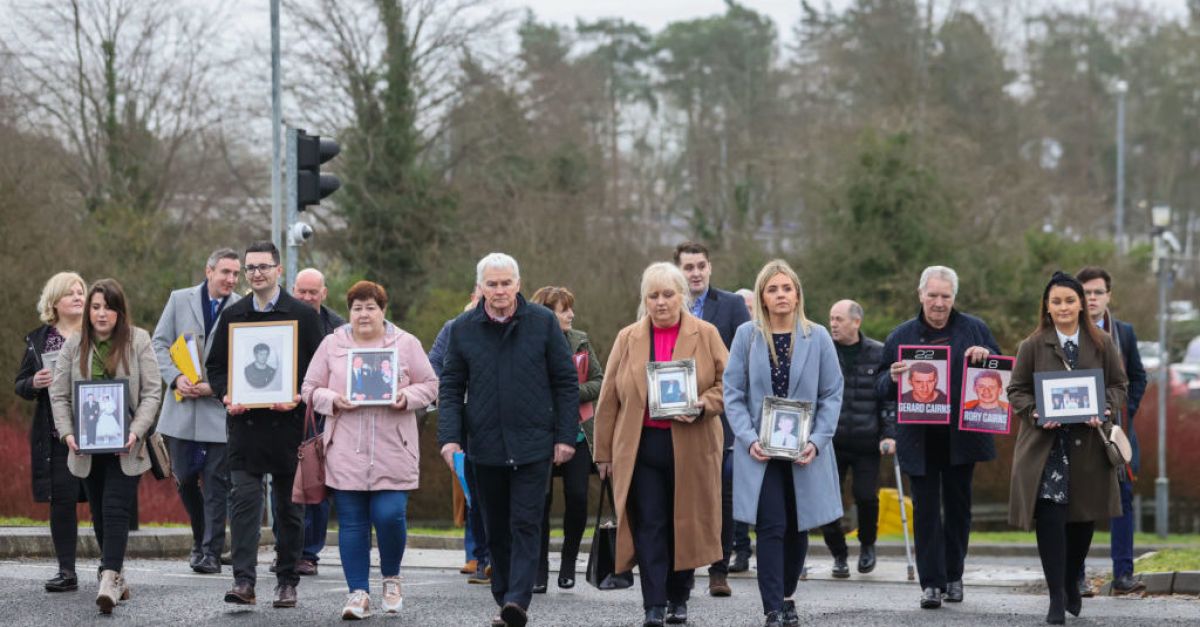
(762, 318)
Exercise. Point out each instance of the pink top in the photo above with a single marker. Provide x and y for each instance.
(664, 347)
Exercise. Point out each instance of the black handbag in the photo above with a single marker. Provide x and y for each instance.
(602, 559)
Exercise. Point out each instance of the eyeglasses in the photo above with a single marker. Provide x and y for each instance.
(1094, 292)
(261, 268)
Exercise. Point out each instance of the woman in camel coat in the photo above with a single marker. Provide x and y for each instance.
(666, 473)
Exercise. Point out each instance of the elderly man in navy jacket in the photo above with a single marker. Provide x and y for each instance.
(939, 459)
(1097, 287)
(512, 358)
(727, 312)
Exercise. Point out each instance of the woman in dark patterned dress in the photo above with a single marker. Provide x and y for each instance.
(1062, 481)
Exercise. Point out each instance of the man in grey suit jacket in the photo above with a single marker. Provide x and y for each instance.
(195, 425)
(727, 312)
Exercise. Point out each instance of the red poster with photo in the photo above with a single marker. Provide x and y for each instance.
(923, 394)
(985, 406)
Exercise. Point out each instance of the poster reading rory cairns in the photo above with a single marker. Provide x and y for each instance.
(924, 397)
(985, 405)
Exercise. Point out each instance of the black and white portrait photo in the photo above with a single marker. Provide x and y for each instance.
(101, 416)
(262, 368)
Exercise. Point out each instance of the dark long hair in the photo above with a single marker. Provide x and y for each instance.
(114, 298)
(1046, 323)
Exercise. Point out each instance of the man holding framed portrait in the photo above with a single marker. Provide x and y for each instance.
(265, 418)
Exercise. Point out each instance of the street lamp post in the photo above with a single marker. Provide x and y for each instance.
(1164, 242)
(1121, 88)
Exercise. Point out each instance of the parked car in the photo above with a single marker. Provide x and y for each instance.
(1187, 375)
(1151, 355)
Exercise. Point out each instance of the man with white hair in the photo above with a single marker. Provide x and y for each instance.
(939, 459)
(513, 360)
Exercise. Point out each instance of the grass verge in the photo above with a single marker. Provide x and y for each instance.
(1170, 560)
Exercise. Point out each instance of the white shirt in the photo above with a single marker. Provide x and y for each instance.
(1063, 339)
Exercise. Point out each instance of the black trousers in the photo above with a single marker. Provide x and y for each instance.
(652, 521)
(781, 544)
(245, 525)
(110, 495)
(575, 474)
(65, 489)
(1062, 546)
(512, 499)
(865, 487)
(204, 495)
(727, 523)
(482, 555)
(941, 538)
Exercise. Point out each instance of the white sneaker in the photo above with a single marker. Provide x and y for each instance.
(393, 600)
(358, 606)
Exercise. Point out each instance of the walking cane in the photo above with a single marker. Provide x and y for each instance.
(903, 514)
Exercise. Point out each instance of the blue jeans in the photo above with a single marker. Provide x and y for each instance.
(468, 538)
(357, 512)
(316, 523)
(1121, 543)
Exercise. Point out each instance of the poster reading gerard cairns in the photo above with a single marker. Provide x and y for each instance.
(985, 405)
(923, 388)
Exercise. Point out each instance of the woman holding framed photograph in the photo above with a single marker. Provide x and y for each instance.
(1062, 481)
(372, 459)
(60, 308)
(109, 347)
(575, 472)
(666, 473)
(781, 354)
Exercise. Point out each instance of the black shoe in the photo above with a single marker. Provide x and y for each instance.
(208, 565)
(195, 558)
(514, 615)
(866, 558)
(676, 613)
(773, 620)
(62, 582)
(566, 574)
(789, 616)
(539, 588)
(655, 616)
(841, 570)
(954, 592)
(931, 599)
(274, 565)
(1085, 586)
(1074, 600)
(565, 582)
(1055, 616)
(740, 563)
(1126, 584)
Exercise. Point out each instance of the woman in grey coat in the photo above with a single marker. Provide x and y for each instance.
(781, 354)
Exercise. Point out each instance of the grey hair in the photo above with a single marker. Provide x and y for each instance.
(312, 271)
(744, 293)
(663, 271)
(496, 261)
(854, 309)
(219, 254)
(939, 272)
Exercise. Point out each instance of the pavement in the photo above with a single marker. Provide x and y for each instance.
(1000, 591)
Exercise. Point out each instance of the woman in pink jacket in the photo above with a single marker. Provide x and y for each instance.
(372, 459)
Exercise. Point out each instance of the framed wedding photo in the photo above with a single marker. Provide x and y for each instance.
(262, 362)
(101, 417)
(785, 426)
(671, 388)
(1069, 396)
(924, 396)
(371, 376)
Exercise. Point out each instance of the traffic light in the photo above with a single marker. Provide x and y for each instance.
(310, 184)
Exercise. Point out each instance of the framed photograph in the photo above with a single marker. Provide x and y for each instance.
(1069, 396)
(785, 426)
(102, 416)
(924, 397)
(262, 362)
(671, 388)
(985, 405)
(371, 376)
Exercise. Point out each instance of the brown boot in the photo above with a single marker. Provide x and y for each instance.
(717, 586)
(109, 592)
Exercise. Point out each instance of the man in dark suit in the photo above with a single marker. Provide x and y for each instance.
(264, 440)
(91, 415)
(727, 312)
(1097, 288)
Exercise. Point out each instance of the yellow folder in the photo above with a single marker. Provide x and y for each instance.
(186, 358)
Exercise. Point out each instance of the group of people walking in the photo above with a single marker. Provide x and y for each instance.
(523, 397)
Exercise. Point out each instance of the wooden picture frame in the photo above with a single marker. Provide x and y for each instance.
(263, 362)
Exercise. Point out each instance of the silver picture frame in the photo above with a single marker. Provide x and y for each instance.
(671, 388)
(785, 443)
(377, 377)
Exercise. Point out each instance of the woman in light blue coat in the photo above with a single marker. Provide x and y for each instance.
(781, 354)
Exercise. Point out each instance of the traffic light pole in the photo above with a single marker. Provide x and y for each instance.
(276, 124)
(293, 214)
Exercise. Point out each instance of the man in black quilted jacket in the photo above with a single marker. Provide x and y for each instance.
(865, 431)
(512, 359)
